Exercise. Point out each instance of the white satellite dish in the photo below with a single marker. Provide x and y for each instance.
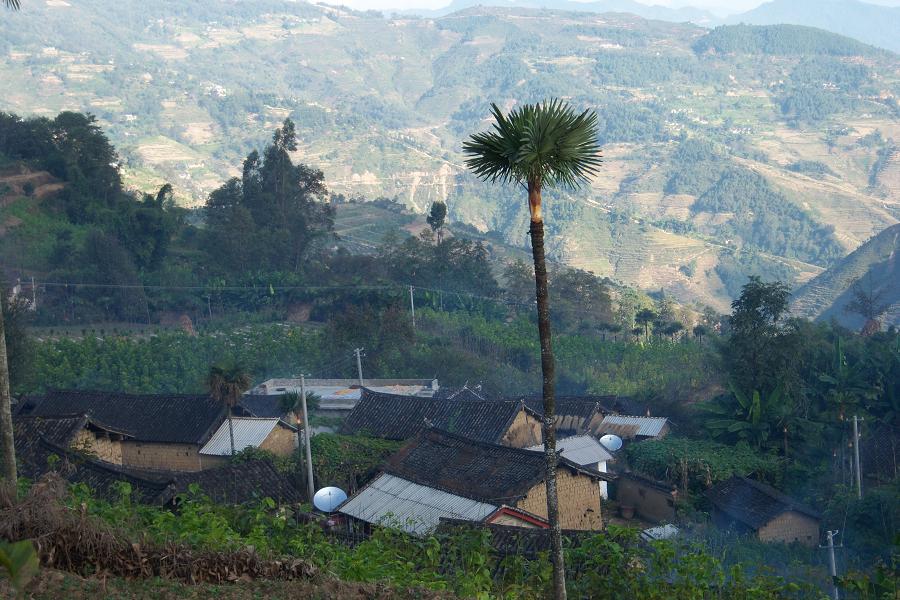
(611, 442)
(329, 498)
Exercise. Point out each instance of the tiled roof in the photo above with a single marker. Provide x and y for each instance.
(574, 414)
(632, 426)
(753, 503)
(583, 450)
(262, 405)
(249, 432)
(101, 477)
(390, 500)
(397, 417)
(147, 418)
(485, 472)
(239, 483)
(57, 430)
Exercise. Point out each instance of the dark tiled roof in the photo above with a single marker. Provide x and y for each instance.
(101, 477)
(463, 393)
(753, 503)
(239, 483)
(57, 430)
(147, 418)
(511, 540)
(485, 472)
(575, 414)
(396, 417)
(264, 406)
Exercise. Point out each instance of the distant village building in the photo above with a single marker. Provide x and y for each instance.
(394, 417)
(77, 432)
(649, 499)
(341, 395)
(440, 475)
(161, 432)
(575, 415)
(586, 451)
(272, 435)
(748, 506)
(634, 428)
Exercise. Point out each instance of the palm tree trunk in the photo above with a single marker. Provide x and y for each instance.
(231, 431)
(548, 372)
(8, 449)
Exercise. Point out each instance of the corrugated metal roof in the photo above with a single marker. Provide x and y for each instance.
(646, 426)
(582, 450)
(248, 432)
(396, 502)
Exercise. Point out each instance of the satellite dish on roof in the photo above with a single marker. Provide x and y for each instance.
(611, 442)
(329, 498)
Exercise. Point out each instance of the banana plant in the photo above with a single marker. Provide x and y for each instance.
(19, 563)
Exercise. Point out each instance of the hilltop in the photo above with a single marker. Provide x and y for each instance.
(702, 139)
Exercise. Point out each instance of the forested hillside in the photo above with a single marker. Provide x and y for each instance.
(795, 152)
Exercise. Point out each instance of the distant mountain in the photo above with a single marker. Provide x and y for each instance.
(870, 23)
(876, 264)
(661, 13)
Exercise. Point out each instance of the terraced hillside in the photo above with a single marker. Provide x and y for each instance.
(875, 266)
(741, 150)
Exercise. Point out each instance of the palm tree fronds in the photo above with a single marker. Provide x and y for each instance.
(13, 4)
(548, 142)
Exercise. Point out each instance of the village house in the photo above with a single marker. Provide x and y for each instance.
(442, 475)
(586, 451)
(651, 500)
(752, 507)
(634, 428)
(77, 432)
(162, 432)
(272, 435)
(394, 417)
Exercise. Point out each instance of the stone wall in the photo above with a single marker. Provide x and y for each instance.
(791, 526)
(161, 456)
(579, 501)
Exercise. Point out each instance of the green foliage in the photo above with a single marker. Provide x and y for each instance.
(791, 40)
(696, 165)
(763, 218)
(19, 562)
(812, 168)
(348, 461)
(696, 464)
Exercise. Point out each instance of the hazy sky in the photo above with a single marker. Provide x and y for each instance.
(717, 6)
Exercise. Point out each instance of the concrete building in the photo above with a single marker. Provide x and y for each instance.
(752, 507)
(337, 395)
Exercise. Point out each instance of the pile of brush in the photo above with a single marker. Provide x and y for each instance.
(71, 540)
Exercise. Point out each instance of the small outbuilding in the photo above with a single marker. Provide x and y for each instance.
(752, 507)
(634, 428)
(586, 451)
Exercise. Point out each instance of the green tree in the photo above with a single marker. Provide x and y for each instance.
(226, 383)
(436, 219)
(537, 145)
(645, 317)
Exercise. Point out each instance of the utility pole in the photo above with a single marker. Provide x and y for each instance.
(33, 296)
(359, 365)
(856, 468)
(412, 306)
(832, 566)
(306, 435)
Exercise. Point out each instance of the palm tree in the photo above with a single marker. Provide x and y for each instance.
(13, 4)
(7, 442)
(537, 145)
(226, 384)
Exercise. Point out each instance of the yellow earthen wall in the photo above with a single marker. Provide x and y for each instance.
(280, 442)
(579, 501)
(99, 446)
(524, 431)
(168, 457)
(790, 527)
